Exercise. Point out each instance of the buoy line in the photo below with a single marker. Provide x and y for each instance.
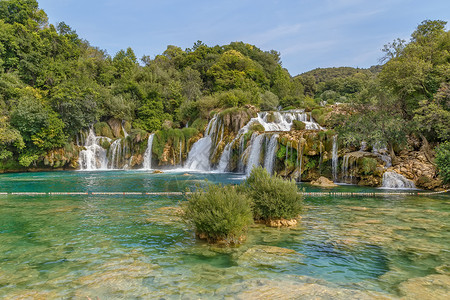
(354, 194)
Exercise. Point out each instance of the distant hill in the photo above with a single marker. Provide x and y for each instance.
(326, 74)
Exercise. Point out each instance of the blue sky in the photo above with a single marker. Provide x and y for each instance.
(307, 33)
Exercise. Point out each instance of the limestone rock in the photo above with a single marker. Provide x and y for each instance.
(323, 182)
(281, 223)
(268, 256)
(286, 289)
(436, 286)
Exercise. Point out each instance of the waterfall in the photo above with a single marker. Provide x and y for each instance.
(271, 150)
(225, 158)
(382, 152)
(198, 157)
(147, 164)
(300, 162)
(212, 141)
(345, 167)
(255, 152)
(286, 158)
(241, 164)
(334, 159)
(281, 121)
(181, 152)
(395, 180)
(93, 157)
(114, 154)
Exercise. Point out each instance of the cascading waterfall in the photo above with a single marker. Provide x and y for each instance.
(397, 181)
(225, 158)
(208, 146)
(255, 152)
(115, 152)
(271, 149)
(334, 159)
(281, 121)
(93, 157)
(147, 164)
(198, 157)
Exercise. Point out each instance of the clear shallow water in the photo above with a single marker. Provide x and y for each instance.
(136, 247)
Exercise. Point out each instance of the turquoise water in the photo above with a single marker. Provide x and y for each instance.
(136, 246)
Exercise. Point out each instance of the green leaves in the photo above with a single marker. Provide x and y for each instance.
(273, 197)
(443, 161)
(219, 213)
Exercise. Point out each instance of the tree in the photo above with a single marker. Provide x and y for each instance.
(443, 161)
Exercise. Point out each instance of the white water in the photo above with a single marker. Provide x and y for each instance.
(225, 158)
(397, 181)
(334, 158)
(147, 164)
(115, 153)
(255, 152)
(271, 149)
(198, 158)
(300, 161)
(93, 157)
(282, 121)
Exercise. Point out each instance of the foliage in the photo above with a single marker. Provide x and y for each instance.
(103, 129)
(299, 125)
(273, 197)
(368, 165)
(219, 213)
(257, 127)
(269, 101)
(443, 161)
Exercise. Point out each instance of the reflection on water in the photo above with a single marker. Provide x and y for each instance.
(138, 246)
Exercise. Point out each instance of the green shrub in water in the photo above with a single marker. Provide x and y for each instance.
(219, 213)
(273, 197)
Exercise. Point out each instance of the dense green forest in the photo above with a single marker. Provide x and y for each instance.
(53, 84)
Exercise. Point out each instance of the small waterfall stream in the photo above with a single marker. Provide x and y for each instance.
(255, 152)
(334, 158)
(147, 164)
(271, 149)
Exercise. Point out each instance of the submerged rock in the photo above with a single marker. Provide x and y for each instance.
(261, 255)
(434, 286)
(286, 289)
(323, 182)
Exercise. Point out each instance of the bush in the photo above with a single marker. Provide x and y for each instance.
(269, 101)
(299, 125)
(368, 165)
(219, 213)
(257, 127)
(103, 129)
(443, 161)
(273, 197)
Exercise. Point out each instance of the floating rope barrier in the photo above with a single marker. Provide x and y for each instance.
(312, 194)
